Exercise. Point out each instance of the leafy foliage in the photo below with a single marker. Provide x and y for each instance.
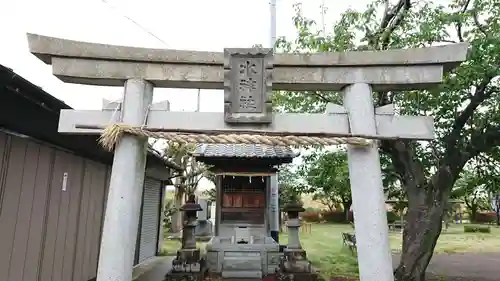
(465, 106)
(168, 211)
(327, 177)
(469, 188)
(290, 185)
(186, 181)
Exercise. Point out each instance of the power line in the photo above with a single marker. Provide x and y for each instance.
(136, 23)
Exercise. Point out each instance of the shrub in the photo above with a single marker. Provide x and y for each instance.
(311, 209)
(333, 216)
(392, 217)
(336, 216)
(168, 211)
(311, 216)
(486, 217)
(477, 228)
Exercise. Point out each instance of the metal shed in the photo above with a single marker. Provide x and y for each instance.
(53, 190)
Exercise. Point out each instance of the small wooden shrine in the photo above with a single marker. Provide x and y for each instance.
(242, 246)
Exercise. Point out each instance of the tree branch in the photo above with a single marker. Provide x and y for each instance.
(484, 140)
(459, 22)
(405, 163)
(478, 24)
(480, 95)
(321, 97)
(391, 20)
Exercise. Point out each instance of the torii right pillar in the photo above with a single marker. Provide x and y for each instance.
(370, 216)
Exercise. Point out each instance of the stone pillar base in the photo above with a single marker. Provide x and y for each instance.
(295, 254)
(188, 255)
(295, 261)
(179, 276)
(187, 271)
(295, 267)
(311, 276)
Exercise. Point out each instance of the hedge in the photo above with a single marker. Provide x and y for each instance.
(392, 217)
(311, 216)
(486, 217)
(338, 216)
(477, 228)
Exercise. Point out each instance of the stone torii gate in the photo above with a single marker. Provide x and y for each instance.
(248, 77)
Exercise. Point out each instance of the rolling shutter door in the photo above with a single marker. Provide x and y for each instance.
(150, 216)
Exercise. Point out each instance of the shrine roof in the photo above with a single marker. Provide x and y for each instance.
(244, 151)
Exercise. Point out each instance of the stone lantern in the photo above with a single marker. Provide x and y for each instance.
(294, 248)
(294, 265)
(188, 262)
(190, 222)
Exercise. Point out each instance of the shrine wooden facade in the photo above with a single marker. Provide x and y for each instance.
(243, 181)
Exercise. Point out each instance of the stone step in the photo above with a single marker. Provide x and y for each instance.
(251, 263)
(241, 279)
(242, 274)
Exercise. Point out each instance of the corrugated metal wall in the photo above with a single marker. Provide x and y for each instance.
(51, 212)
(150, 212)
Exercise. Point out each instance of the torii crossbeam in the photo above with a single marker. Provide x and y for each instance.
(248, 77)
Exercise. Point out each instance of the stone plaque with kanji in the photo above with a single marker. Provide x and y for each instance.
(248, 85)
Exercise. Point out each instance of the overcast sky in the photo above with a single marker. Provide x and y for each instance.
(181, 24)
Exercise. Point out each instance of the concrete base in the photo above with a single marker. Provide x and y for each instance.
(298, 277)
(254, 260)
(182, 271)
(203, 228)
(183, 276)
(296, 267)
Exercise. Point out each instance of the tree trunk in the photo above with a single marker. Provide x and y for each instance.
(177, 216)
(473, 213)
(346, 205)
(497, 211)
(423, 227)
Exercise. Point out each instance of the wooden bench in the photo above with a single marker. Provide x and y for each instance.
(395, 226)
(349, 240)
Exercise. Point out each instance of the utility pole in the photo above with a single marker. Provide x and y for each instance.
(272, 34)
(274, 208)
(323, 11)
(198, 101)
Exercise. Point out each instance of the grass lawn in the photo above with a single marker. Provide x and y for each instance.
(324, 246)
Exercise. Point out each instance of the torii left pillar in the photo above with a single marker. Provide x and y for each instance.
(121, 221)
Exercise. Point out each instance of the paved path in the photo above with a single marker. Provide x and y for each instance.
(463, 267)
(453, 267)
(154, 270)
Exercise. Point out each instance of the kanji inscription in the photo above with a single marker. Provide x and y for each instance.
(247, 85)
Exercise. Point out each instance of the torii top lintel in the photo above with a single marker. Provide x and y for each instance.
(110, 65)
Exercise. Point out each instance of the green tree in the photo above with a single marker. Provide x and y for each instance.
(327, 177)
(479, 184)
(465, 107)
(472, 189)
(290, 185)
(186, 181)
